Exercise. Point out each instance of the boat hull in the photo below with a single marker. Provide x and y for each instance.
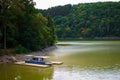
(30, 64)
(39, 62)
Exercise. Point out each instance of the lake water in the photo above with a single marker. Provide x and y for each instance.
(83, 60)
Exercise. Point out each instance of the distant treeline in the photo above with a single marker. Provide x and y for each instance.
(23, 28)
(88, 20)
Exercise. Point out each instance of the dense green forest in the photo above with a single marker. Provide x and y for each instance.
(88, 20)
(23, 28)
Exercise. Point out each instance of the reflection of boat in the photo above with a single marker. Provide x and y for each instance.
(38, 61)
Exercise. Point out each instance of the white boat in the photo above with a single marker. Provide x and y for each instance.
(37, 61)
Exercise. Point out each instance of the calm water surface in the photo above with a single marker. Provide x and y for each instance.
(83, 60)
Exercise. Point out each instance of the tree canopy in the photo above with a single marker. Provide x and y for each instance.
(87, 20)
(22, 26)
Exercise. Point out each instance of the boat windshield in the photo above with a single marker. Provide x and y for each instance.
(35, 59)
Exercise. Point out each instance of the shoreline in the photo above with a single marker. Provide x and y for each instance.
(22, 57)
(95, 38)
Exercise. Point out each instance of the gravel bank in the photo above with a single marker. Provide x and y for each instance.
(21, 57)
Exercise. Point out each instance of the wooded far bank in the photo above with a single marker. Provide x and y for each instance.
(87, 20)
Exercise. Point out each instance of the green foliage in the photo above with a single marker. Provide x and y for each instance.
(20, 49)
(89, 20)
(50, 24)
(22, 27)
(57, 11)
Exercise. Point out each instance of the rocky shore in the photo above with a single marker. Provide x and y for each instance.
(21, 57)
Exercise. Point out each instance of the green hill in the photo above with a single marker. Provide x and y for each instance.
(88, 20)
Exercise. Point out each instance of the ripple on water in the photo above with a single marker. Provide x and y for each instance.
(77, 73)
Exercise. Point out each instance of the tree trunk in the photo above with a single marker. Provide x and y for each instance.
(4, 37)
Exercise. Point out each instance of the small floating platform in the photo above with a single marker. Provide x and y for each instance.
(34, 65)
(56, 62)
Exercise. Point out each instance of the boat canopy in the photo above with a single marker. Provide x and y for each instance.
(37, 56)
(41, 56)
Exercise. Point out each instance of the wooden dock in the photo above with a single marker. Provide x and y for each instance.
(56, 62)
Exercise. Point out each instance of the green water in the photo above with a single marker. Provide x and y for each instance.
(83, 60)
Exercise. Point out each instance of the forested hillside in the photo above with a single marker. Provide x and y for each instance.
(89, 20)
(56, 11)
(23, 28)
